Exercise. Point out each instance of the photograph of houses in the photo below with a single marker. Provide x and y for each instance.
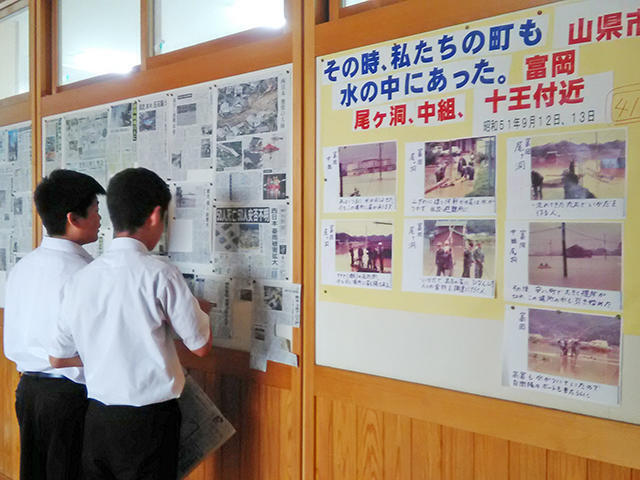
(368, 170)
(579, 165)
(576, 255)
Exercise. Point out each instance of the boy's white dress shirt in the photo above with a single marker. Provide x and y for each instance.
(32, 303)
(118, 314)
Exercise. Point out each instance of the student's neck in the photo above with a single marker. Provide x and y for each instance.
(139, 235)
(70, 238)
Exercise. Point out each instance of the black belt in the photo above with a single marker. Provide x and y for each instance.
(42, 375)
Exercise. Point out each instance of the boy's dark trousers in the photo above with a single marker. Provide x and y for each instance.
(51, 412)
(131, 443)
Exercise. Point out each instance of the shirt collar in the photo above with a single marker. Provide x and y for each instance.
(128, 243)
(64, 245)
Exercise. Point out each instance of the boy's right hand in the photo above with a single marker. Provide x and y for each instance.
(205, 305)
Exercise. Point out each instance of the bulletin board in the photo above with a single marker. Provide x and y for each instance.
(224, 148)
(475, 221)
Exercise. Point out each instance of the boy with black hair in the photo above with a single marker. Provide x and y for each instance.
(50, 402)
(117, 315)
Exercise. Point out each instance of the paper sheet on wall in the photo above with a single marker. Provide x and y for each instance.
(52, 145)
(203, 428)
(153, 118)
(190, 219)
(252, 241)
(564, 264)
(85, 142)
(451, 178)
(121, 137)
(191, 137)
(450, 256)
(360, 177)
(217, 290)
(267, 345)
(357, 253)
(574, 355)
(279, 302)
(574, 175)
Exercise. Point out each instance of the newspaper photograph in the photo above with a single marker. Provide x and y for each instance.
(85, 143)
(360, 177)
(565, 264)
(190, 226)
(357, 253)
(252, 169)
(121, 137)
(573, 175)
(278, 301)
(52, 145)
(456, 257)
(252, 241)
(152, 128)
(248, 107)
(191, 136)
(575, 355)
(215, 289)
(203, 428)
(452, 178)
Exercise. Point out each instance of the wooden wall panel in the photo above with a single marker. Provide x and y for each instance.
(354, 441)
(396, 454)
(264, 446)
(9, 433)
(600, 471)
(561, 466)
(457, 454)
(426, 450)
(369, 441)
(490, 458)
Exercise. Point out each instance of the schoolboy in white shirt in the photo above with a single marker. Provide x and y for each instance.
(117, 315)
(50, 403)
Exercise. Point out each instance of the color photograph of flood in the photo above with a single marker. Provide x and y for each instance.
(368, 170)
(465, 167)
(576, 255)
(579, 165)
(575, 345)
(364, 246)
(459, 248)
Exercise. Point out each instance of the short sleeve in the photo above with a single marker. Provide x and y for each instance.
(62, 344)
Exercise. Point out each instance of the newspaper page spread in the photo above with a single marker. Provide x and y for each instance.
(203, 428)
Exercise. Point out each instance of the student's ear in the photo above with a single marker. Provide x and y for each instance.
(72, 219)
(156, 216)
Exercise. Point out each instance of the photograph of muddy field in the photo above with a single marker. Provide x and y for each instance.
(575, 345)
